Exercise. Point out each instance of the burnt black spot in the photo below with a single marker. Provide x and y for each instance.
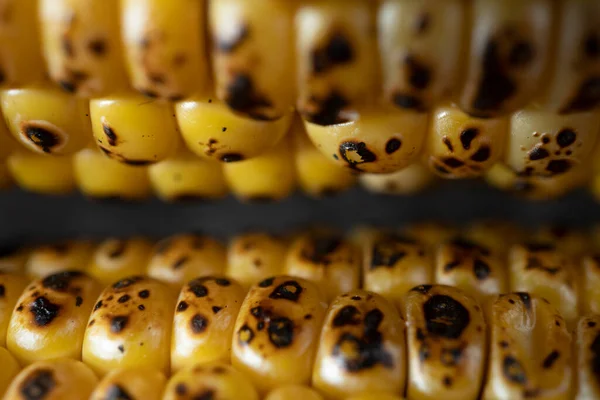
(2, 291)
(118, 249)
(481, 155)
(281, 332)
(392, 145)
(418, 75)
(319, 248)
(445, 317)
(110, 134)
(535, 263)
(121, 348)
(356, 298)
(451, 265)
(481, 269)
(198, 289)
(205, 395)
(336, 51)
(141, 307)
(118, 323)
(288, 290)
(245, 334)
(348, 315)
(78, 301)
(525, 298)
(41, 137)
(223, 282)
(198, 323)
(229, 46)
(566, 137)
(116, 392)
(98, 305)
(513, 370)
(123, 283)
(535, 247)
(44, 311)
(407, 101)
(447, 381)
(231, 157)
(60, 281)
(386, 253)
(551, 359)
(422, 289)
(591, 45)
(328, 110)
(422, 23)
(520, 54)
(266, 282)
(144, 294)
(448, 144)
(453, 162)
(182, 306)
(467, 136)
(242, 96)
(538, 153)
(504, 344)
(97, 47)
(216, 309)
(591, 324)
(587, 97)
(124, 299)
(67, 46)
(156, 78)
(441, 169)
(360, 149)
(67, 86)
(180, 262)
(557, 167)
(424, 352)
(38, 385)
(181, 389)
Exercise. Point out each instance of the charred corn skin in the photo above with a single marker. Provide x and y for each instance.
(46, 120)
(496, 235)
(586, 350)
(325, 259)
(335, 43)
(69, 255)
(419, 46)
(10, 369)
(508, 54)
(572, 242)
(461, 146)
(59, 379)
(252, 58)
(115, 259)
(81, 45)
(50, 317)
(204, 317)
(131, 383)
(11, 287)
(132, 130)
(540, 269)
(413, 179)
(252, 257)
(212, 131)
(361, 348)
(130, 327)
(576, 63)
(589, 281)
(446, 343)
(294, 392)
(164, 46)
(376, 140)
(530, 350)
(279, 323)
(57, 178)
(217, 381)
(181, 258)
(99, 177)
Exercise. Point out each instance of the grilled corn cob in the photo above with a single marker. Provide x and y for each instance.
(130, 383)
(586, 353)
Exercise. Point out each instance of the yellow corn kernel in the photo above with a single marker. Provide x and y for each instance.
(409, 180)
(42, 174)
(181, 258)
(541, 270)
(508, 55)
(420, 44)
(8, 144)
(361, 348)
(497, 235)
(10, 369)
(530, 354)
(81, 45)
(130, 326)
(325, 259)
(115, 259)
(73, 255)
(50, 317)
(46, 120)
(13, 258)
(268, 177)
(217, 381)
(252, 257)
(11, 288)
(59, 379)
(571, 241)
(589, 285)
(586, 352)
(131, 383)
(278, 324)
(375, 140)
(203, 325)
(430, 233)
(294, 392)
(461, 146)
(102, 178)
(336, 58)
(164, 46)
(375, 396)
(130, 129)
(446, 343)
(253, 59)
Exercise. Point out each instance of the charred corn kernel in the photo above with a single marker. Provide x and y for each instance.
(42, 174)
(572, 242)
(81, 45)
(60, 379)
(407, 181)
(420, 44)
(11, 287)
(10, 369)
(268, 177)
(213, 131)
(100, 177)
(20, 56)
(393, 264)
(294, 392)
(67, 255)
(530, 352)
(361, 348)
(164, 46)
(130, 326)
(540, 269)
(186, 177)
(446, 343)
(375, 396)
(589, 285)
(131, 384)
(6, 180)
(376, 140)
(181, 258)
(335, 44)
(13, 258)
(497, 235)
(587, 341)
(133, 130)
(576, 61)
(203, 325)
(317, 176)
(430, 233)
(508, 54)
(252, 257)
(46, 120)
(276, 332)
(115, 259)
(326, 259)
(50, 317)
(252, 57)
(216, 381)
(461, 146)
(545, 144)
